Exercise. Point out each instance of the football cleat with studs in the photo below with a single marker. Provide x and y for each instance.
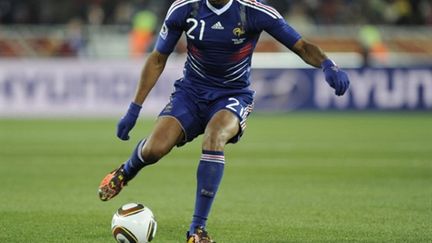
(199, 236)
(112, 184)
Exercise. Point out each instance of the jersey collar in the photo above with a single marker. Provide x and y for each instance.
(221, 10)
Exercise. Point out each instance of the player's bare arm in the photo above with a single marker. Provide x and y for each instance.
(310, 53)
(151, 72)
(314, 56)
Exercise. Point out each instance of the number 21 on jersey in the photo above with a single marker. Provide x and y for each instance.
(195, 25)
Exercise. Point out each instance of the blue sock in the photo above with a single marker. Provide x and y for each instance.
(135, 163)
(209, 176)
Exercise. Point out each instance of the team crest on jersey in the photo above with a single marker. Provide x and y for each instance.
(239, 31)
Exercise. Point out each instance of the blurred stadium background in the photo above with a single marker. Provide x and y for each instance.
(84, 57)
(358, 170)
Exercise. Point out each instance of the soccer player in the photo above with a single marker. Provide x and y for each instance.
(213, 97)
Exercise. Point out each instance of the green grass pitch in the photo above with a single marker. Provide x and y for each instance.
(299, 177)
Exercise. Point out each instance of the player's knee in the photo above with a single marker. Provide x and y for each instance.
(215, 140)
(152, 152)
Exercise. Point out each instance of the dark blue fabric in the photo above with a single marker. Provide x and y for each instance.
(134, 164)
(209, 176)
(220, 45)
(194, 106)
(336, 78)
(128, 121)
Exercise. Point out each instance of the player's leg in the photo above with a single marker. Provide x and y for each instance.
(223, 126)
(226, 121)
(165, 135)
(178, 123)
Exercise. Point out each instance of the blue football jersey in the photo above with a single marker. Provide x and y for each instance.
(220, 41)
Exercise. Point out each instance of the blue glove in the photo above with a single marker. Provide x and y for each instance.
(336, 78)
(127, 122)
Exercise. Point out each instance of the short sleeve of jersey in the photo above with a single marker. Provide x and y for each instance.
(273, 23)
(172, 29)
(284, 33)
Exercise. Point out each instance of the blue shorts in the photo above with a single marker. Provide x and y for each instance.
(193, 107)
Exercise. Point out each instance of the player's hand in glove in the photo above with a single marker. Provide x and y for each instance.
(336, 78)
(128, 121)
